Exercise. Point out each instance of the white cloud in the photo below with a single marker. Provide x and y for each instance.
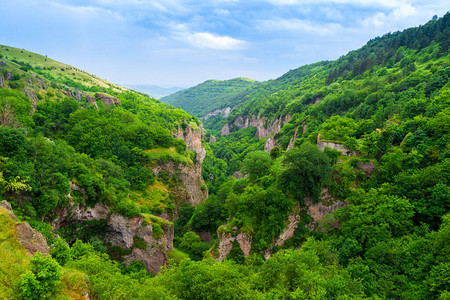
(211, 41)
(376, 3)
(222, 12)
(299, 25)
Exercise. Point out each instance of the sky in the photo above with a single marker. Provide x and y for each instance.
(185, 42)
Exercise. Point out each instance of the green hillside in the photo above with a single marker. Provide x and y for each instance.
(209, 95)
(330, 182)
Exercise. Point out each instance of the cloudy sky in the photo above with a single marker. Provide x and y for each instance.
(185, 42)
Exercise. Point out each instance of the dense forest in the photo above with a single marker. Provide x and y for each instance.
(209, 95)
(330, 182)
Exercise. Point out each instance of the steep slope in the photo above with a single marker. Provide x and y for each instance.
(94, 159)
(358, 132)
(209, 96)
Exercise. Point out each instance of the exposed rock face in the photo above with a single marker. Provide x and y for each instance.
(292, 141)
(270, 144)
(77, 95)
(337, 146)
(326, 206)
(212, 139)
(31, 239)
(69, 93)
(90, 99)
(226, 243)
(225, 130)
(193, 139)
(195, 190)
(287, 233)
(317, 211)
(122, 232)
(264, 128)
(368, 168)
(2, 81)
(31, 94)
(8, 75)
(225, 113)
(238, 175)
(107, 100)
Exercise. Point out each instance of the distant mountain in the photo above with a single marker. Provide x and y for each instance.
(209, 95)
(153, 90)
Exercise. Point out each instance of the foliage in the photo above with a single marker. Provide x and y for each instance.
(43, 279)
(307, 170)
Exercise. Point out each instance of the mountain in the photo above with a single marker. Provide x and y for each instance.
(209, 95)
(154, 91)
(85, 160)
(330, 182)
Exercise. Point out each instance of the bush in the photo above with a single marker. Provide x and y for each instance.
(43, 279)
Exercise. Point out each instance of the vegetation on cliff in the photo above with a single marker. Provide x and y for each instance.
(386, 104)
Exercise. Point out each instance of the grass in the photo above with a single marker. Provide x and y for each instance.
(176, 256)
(14, 259)
(155, 197)
(55, 68)
(169, 154)
(73, 285)
(149, 218)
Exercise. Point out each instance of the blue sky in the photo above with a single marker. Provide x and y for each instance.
(185, 42)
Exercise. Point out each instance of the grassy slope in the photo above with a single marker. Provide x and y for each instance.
(54, 68)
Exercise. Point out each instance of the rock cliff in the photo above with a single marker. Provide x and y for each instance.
(196, 190)
(317, 211)
(264, 127)
(224, 112)
(122, 232)
(30, 239)
(338, 146)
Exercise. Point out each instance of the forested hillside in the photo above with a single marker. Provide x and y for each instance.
(209, 95)
(330, 182)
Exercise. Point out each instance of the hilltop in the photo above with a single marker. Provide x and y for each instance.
(209, 95)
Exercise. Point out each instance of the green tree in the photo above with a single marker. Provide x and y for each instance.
(256, 164)
(307, 170)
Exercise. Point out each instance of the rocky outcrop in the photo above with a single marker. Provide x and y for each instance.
(212, 139)
(31, 94)
(225, 112)
(264, 128)
(193, 187)
(369, 168)
(8, 75)
(292, 141)
(2, 81)
(193, 139)
(226, 243)
(317, 211)
(77, 95)
(225, 130)
(195, 190)
(152, 252)
(287, 233)
(30, 239)
(326, 206)
(338, 146)
(270, 144)
(107, 100)
(123, 233)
